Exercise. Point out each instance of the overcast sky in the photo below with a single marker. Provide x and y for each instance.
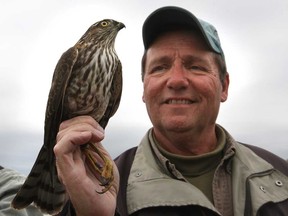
(35, 33)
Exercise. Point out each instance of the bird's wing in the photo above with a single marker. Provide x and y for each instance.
(43, 172)
(116, 91)
(54, 109)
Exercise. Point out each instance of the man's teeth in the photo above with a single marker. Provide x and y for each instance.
(182, 101)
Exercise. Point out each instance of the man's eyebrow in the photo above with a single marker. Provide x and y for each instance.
(161, 59)
(193, 58)
(187, 59)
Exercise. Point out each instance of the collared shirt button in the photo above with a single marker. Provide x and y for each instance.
(262, 189)
(138, 174)
(278, 183)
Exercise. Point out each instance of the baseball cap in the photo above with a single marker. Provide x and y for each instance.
(167, 17)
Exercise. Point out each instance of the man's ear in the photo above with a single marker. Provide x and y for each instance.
(143, 98)
(225, 87)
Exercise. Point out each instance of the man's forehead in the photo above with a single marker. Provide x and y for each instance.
(169, 55)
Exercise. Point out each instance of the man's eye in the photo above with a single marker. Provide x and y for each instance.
(158, 68)
(194, 67)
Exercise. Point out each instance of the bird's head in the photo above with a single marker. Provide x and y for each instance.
(103, 32)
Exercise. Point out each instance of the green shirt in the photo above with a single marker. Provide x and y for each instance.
(198, 170)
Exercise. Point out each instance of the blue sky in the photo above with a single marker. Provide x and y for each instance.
(34, 34)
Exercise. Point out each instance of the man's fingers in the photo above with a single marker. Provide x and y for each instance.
(78, 120)
(83, 129)
(67, 143)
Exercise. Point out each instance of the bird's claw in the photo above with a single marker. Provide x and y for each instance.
(103, 170)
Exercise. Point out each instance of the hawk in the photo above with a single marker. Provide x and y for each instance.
(87, 81)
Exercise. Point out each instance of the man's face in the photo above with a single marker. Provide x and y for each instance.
(182, 88)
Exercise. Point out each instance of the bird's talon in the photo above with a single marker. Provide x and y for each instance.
(102, 171)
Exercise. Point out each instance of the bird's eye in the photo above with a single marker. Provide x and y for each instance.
(104, 23)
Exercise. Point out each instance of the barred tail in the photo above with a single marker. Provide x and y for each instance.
(49, 196)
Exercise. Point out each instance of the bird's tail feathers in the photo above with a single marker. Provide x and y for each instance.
(49, 196)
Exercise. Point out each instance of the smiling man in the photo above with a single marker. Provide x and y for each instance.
(186, 164)
(183, 91)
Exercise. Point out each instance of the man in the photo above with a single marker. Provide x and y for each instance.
(186, 164)
(10, 183)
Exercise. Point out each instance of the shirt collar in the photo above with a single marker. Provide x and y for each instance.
(223, 144)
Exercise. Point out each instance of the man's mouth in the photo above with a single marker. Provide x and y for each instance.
(179, 101)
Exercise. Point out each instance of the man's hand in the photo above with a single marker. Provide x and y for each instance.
(80, 184)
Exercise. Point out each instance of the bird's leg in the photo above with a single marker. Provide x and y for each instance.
(105, 169)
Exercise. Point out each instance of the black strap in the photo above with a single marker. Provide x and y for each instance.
(124, 163)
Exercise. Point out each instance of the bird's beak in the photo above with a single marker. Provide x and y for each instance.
(121, 25)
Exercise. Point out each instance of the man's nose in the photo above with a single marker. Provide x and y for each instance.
(177, 77)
